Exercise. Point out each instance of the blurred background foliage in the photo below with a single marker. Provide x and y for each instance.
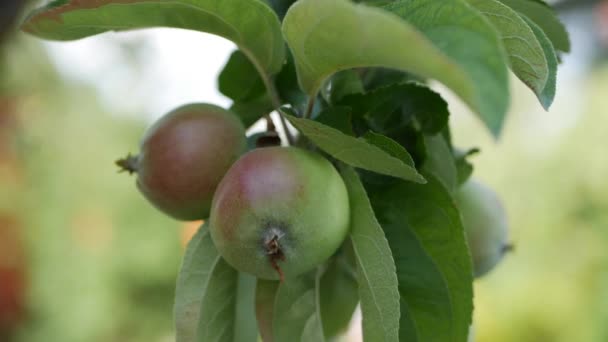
(84, 258)
(99, 264)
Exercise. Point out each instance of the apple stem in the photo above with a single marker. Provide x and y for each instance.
(285, 126)
(128, 164)
(271, 139)
(270, 127)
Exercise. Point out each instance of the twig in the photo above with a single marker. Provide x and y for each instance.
(274, 97)
(309, 108)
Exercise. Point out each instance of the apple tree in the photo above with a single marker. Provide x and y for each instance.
(364, 200)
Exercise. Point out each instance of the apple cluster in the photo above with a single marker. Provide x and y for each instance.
(274, 212)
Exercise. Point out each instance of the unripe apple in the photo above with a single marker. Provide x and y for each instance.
(279, 212)
(184, 156)
(485, 224)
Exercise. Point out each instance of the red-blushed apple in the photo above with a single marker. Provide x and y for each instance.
(279, 212)
(184, 156)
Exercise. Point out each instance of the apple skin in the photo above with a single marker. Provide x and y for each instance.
(279, 212)
(486, 226)
(185, 155)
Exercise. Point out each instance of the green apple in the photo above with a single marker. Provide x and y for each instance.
(279, 212)
(485, 223)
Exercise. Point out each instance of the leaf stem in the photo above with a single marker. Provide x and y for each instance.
(288, 134)
(309, 107)
(274, 95)
(276, 103)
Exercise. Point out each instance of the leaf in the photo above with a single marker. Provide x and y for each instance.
(200, 260)
(265, 294)
(390, 146)
(376, 273)
(339, 293)
(251, 111)
(440, 161)
(353, 151)
(281, 6)
(343, 83)
(297, 312)
(227, 310)
(250, 24)
(543, 16)
(326, 36)
(463, 167)
(239, 79)
(381, 77)
(525, 53)
(245, 327)
(427, 240)
(466, 37)
(390, 108)
(286, 83)
(338, 118)
(548, 94)
(211, 298)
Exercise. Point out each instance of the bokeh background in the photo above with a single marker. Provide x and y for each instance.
(83, 257)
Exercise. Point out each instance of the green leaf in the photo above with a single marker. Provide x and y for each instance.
(227, 310)
(239, 79)
(465, 36)
(281, 6)
(353, 151)
(245, 327)
(338, 118)
(390, 146)
(463, 167)
(382, 77)
(212, 301)
(343, 83)
(265, 294)
(390, 108)
(251, 111)
(326, 36)
(297, 310)
(525, 53)
(544, 16)
(548, 94)
(286, 82)
(427, 240)
(250, 24)
(374, 2)
(200, 260)
(440, 161)
(339, 293)
(376, 273)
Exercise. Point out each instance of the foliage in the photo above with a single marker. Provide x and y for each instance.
(354, 84)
